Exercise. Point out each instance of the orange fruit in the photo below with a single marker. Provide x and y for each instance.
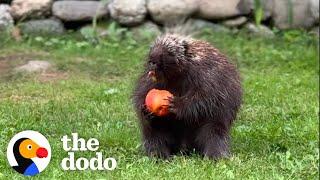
(157, 101)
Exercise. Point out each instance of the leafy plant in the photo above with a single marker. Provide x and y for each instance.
(290, 12)
(5, 36)
(95, 18)
(90, 34)
(115, 32)
(258, 12)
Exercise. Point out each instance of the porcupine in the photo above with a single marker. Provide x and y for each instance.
(207, 96)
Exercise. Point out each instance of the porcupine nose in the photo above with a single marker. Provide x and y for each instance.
(152, 75)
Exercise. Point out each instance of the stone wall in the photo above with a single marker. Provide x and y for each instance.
(53, 15)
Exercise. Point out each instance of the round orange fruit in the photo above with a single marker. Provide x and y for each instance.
(157, 101)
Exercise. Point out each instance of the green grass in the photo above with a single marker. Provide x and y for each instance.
(275, 135)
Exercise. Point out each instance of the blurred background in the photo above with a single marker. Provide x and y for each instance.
(256, 16)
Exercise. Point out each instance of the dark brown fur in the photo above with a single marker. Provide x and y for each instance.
(207, 95)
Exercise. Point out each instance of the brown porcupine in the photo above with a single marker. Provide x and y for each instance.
(207, 95)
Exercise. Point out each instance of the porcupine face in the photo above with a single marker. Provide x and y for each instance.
(165, 59)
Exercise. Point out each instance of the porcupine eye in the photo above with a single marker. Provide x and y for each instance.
(151, 63)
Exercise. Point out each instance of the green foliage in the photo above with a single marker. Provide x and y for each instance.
(5, 36)
(115, 32)
(296, 35)
(90, 34)
(258, 12)
(112, 32)
(290, 12)
(275, 135)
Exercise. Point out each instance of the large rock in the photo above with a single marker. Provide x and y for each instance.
(22, 9)
(79, 10)
(198, 25)
(248, 6)
(128, 12)
(43, 27)
(34, 66)
(218, 9)
(147, 30)
(6, 20)
(235, 22)
(262, 31)
(314, 9)
(299, 16)
(168, 11)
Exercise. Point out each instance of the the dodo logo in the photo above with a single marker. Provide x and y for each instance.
(29, 153)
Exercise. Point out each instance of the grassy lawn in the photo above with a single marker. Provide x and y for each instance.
(88, 91)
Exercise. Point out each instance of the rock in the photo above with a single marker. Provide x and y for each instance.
(235, 22)
(147, 29)
(6, 20)
(34, 66)
(218, 9)
(128, 12)
(26, 9)
(43, 27)
(199, 24)
(297, 17)
(247, 6)
(262, 31)
(168, 11)
(79, 10)
(314, 9)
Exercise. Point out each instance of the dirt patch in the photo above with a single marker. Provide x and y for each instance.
(52, 76)
(3, 66)
(21, 56)
(10, 61)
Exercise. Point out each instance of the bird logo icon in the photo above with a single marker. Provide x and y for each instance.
(29, 153)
